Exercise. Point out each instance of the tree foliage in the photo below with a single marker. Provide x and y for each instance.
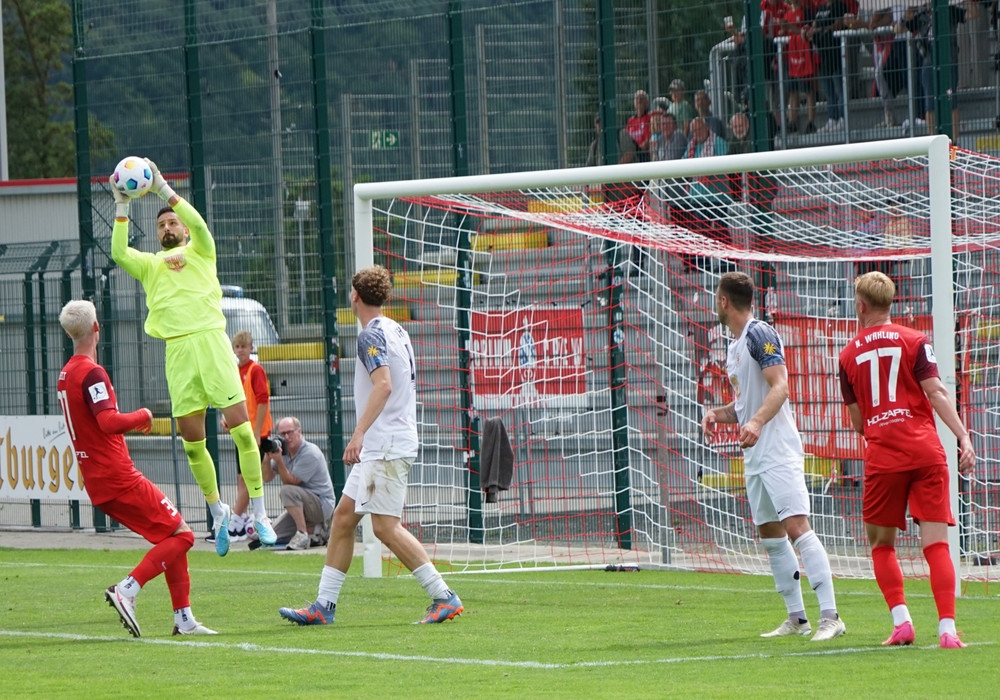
(37, 39)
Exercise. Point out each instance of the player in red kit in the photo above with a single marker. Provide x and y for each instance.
(113, 483)
(890, 383)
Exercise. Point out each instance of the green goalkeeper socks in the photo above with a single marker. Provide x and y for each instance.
(202, 467)
(249, 456)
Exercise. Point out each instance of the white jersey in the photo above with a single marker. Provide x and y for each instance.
(393, 435)
(757, 348)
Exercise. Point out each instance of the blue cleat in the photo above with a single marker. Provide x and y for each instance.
(314, 614)
(265, 533)
(441, 610)
(222, 531)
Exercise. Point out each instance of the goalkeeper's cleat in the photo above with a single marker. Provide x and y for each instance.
(265, 533)
(313, 614)
(197, 629)
(443, 609)
(902, 635)
(222, 531)
(829, 628)
(951, 641)
(788, 628)
(125, 607)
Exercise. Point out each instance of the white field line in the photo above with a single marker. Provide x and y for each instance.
(472, 579)
(381, 656)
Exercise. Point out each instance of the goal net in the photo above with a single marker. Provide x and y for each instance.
(577, 307)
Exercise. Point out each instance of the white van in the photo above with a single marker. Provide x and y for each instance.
(243, 314)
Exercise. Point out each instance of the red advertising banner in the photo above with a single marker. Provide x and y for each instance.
(528, 356)
(812, 349)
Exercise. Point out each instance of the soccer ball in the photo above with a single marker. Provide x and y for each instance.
(133, 176)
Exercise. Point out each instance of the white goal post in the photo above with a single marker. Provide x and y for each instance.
(610, 468)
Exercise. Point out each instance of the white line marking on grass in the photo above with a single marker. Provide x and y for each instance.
(470, 578)
(382, 656)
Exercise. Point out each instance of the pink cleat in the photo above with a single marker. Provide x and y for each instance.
(903, 635)
(951, 641)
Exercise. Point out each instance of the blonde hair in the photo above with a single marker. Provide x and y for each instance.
(243, 339)
(77, 318)
(876, 289)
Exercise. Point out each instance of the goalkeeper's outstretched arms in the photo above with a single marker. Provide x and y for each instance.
(131, 260)
(201, 237)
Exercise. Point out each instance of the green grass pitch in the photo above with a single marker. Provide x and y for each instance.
(572, 634)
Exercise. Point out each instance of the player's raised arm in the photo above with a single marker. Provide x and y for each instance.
(130, 260)
(201, 237)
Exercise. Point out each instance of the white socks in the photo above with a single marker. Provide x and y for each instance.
(184, 618)
(330, 582)
(259, 510)
(129, 587)
(431, 581)
(785, 569)
(217, 510)
(900, 614)
(817, 565)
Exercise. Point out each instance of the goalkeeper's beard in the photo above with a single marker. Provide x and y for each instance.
(170, 241)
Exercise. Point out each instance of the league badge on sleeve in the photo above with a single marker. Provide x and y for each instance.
(98, 392)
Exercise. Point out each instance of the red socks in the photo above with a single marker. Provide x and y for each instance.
(938, 556)
(889, 575)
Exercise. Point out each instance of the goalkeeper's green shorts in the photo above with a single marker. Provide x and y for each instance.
(201, 371)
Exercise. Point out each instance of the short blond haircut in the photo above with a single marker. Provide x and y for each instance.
(876, 289)
(77, 318)
(374, 285)
(243, 339)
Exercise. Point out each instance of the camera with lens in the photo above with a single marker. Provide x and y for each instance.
(274, 445)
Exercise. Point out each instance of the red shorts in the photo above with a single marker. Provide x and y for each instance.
(926, 490)
(145, 511)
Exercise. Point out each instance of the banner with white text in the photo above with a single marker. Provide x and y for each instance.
(528, 357)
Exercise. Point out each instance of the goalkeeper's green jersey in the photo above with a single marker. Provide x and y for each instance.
(183, 295)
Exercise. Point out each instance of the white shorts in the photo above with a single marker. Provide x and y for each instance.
(378, 486)
(777, 493)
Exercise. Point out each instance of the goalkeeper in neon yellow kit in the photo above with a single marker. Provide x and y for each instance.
(183, 297)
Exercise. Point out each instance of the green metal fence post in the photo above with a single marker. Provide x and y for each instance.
(199, 183)
(463, 280)
(942, 61)
(330, 251)
(606, 81)
(84, 206)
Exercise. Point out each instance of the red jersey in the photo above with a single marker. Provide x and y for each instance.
(802, 58)
(105, 465)
(881, 370)
(639, 128)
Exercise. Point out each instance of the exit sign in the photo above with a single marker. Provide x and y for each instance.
(385, 139)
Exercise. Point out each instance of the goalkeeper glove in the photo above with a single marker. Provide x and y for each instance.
(121, 200)
(160, 185)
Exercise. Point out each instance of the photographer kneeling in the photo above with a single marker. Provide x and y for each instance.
(306, 488)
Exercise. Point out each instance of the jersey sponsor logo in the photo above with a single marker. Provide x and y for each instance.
(894, 415)
(175, 261)
(98, 392)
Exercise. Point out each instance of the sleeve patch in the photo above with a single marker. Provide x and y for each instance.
(98, 392)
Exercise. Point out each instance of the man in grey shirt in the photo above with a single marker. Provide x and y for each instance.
(306, 488)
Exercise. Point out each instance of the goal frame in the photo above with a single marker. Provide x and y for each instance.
(936, 148)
